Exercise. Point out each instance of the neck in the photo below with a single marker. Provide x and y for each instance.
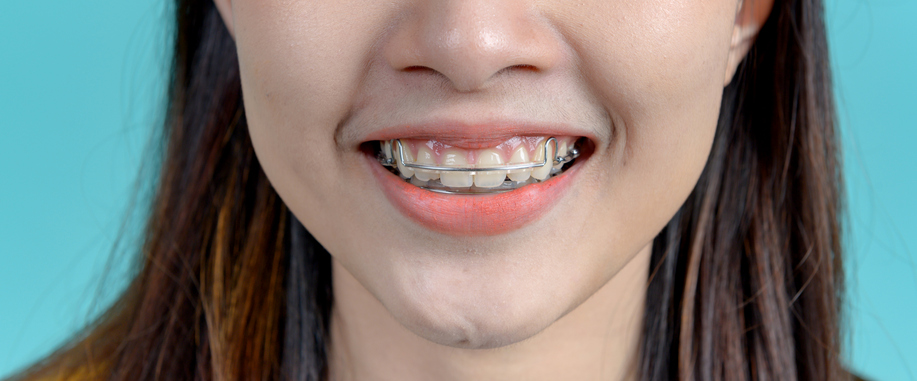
(599, 339)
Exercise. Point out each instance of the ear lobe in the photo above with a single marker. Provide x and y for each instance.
(750, 17)
(225, 9)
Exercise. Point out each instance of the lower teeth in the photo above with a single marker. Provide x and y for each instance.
(508, 185)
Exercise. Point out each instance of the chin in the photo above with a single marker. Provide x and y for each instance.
(464, 308)
(476, 325)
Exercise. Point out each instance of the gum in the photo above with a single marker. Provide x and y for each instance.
(505, 149)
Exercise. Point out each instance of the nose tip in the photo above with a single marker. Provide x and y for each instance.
(472, 41)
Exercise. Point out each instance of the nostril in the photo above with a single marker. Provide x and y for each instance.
(528, 68)
(417, 68)
(523, 68)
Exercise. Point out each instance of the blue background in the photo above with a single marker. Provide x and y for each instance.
(81, 84)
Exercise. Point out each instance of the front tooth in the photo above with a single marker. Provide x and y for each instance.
(425, 157)
(543, 171)
(520, 156)
(387, 150)
(561, 152)
(408, 157)
(418, 182)
(489, 179)
(455, 158)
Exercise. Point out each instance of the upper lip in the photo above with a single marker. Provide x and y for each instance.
(475, 134)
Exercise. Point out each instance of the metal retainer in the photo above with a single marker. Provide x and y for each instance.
(389, 161)
(508, 185)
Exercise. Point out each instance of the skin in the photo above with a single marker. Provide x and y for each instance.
(561, 297)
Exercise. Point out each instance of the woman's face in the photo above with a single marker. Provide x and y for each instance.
(639, 80)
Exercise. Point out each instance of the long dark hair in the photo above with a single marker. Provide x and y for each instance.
(745, 281)
(747, 278)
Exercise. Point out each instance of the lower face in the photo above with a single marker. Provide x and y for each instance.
(635, 84)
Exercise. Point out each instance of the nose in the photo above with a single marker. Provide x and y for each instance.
(469, 42)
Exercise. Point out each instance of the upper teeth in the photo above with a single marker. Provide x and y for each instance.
(488, 168)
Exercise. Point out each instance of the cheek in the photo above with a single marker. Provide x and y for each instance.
(299, 71)
(652, 60)
(657, 67)
(299, 67)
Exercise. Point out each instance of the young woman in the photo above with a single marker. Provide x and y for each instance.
(662, 200)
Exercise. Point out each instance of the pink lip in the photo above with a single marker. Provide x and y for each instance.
(472, 215)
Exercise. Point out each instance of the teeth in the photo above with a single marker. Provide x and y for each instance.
(562, 152)
(425, 157)
(418, 182)
(455, 158)
(489, 179)
(387, 150)
(520, 156)
(544, 171)
(479, 177)
(408, 157)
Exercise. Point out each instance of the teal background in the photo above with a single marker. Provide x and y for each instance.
(81, 86)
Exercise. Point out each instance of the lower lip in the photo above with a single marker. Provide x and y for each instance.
(472, 215)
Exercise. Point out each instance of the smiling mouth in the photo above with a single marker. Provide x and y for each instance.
(473, 184)
(442, 168)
